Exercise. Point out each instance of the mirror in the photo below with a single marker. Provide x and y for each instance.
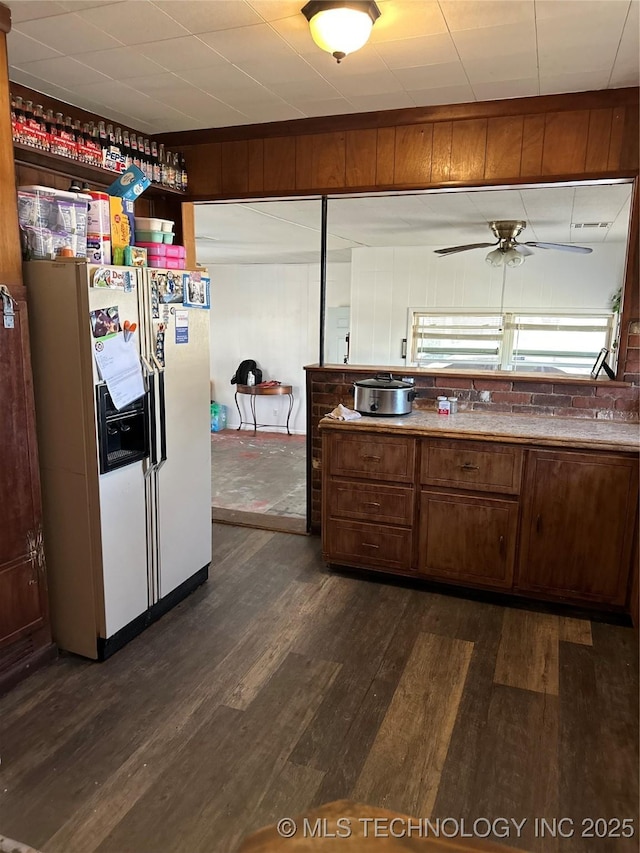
(553, 310)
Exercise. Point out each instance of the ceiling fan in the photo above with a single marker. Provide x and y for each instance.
(508, 250)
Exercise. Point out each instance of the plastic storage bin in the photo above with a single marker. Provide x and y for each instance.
(167, 237)
(51, 220)
(175, 251)
(145, 223)
(153, 249)
(167, 225)
(143, 237)
(218, 417)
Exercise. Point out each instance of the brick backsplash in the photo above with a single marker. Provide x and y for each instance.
(602, 400)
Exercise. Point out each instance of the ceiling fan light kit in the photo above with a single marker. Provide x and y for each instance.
(507, 251)
(340, 26)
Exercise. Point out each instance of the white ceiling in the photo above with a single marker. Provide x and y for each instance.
(172, 65)
(289, 231)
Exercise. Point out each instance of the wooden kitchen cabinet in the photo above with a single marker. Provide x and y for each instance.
(577, 525)
(546, 524)
(24, 621)
(467, 539)
(368, 509)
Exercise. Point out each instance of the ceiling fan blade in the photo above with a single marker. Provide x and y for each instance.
(522, 250)
(453, 249)
(583, 250)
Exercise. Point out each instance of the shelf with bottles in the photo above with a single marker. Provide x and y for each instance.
(92, 149)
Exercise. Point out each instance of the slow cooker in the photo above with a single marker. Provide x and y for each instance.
(383, 395)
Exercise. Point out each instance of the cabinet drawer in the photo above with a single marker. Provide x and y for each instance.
(390, 504)
(472, 465)
(369, 545)
(372, 457)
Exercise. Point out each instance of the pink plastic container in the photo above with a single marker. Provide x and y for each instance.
(166, 263)
(175, 251)
(154, 248)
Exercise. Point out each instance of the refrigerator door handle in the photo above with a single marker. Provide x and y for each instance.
(150, 376)
(162, 409)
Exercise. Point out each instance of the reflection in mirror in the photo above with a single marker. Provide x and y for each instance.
(548, 308)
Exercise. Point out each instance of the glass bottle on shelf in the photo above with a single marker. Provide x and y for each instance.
(141, 154)
(163, 165)
(148, 161)
(155, 163)
(177, 172)
(40, 131)
(69, 135)
(135, 156)
(28, 119)
(19, 123)
(171, 172)
(183, 168)
(110, 135)
(126, 149)
(79, 141)
(50, 128)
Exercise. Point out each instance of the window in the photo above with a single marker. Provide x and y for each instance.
(526, 342)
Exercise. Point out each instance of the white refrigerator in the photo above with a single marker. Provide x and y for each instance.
(126, 483)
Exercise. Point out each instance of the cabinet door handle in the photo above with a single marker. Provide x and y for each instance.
(501, 546)
(372, 458)
(370, 503)
(369, 545)
(539, 524)
(469, 467)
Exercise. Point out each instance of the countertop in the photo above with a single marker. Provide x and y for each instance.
(518, 429)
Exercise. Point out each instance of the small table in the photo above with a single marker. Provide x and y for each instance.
(253, 391)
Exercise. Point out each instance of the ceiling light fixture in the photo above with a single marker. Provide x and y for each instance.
(340, 26)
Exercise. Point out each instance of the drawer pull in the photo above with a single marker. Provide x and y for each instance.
(369, 545)
(502, 546)
(372, 458)
(469, 467)
(370, 503)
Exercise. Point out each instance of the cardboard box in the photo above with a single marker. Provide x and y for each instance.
(122, 225)
(130, 185)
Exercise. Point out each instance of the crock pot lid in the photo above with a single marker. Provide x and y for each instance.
(382, 382)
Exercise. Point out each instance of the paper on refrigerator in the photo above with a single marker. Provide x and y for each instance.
(119, 366)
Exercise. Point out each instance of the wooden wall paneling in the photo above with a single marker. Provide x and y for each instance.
(279, 170)
(565, 143)
(320, 161)
(441, 152)
(504, 147)
(385, 156)
(235, 167)
(617, 137)
(304, 161)
(412, 156)
(532, 145)
(10, 253)
(630, 153)
(597, 159)
(360, 157)
(255, 166)
(204, 167)
(468, 150)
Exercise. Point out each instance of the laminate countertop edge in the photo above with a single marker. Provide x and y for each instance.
(564, 433)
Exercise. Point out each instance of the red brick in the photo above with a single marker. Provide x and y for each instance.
(492, 384)
(622, 405)
(608, 390)
(590, 402)
(490, 407)
(533, 410)
(533, 387)
(574, 390)
(629, 417)
(510, 397)
(586, 414)
(632, 361)
(632, 377)
(555, 400)
(424, 382)
(453, 382)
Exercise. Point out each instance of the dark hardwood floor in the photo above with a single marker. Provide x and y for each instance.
(279, 686)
